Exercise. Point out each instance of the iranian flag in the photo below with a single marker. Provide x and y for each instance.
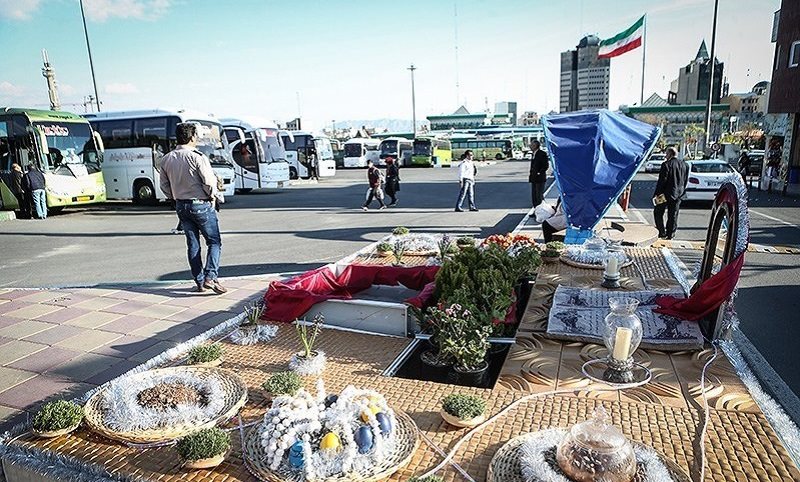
(623, 41)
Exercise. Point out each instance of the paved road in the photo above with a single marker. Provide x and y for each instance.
(769, 294)
(293, 230)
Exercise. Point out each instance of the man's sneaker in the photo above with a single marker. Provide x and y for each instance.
(381, 208)
(365, 208)
(214, 285)
(459, 210)
(473, 209)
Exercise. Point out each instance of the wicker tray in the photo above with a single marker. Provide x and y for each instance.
(505, 466)
(567, 260)
(407, 440)
(235, 397)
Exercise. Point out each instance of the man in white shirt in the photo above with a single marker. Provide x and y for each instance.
(466, 179)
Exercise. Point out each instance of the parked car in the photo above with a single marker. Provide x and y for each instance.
(705, 178)
(654, 163)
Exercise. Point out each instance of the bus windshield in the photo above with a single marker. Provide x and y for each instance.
(353, 150)
(422, 147)
(273, 150)
(389, 147)
(69, 146)
(323, 147)
(212, 143)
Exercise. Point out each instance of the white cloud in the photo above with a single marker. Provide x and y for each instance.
(102, 10)
(7, 89)
(18, 9)
(121, 88)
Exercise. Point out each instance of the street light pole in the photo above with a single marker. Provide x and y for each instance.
(710, 99)
(333, 123)
(413, 104)
(91, 64)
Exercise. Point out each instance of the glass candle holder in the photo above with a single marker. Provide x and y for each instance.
(622, 336)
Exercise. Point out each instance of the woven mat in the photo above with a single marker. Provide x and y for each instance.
(373, 259)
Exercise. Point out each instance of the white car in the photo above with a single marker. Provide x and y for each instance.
(654, 163)
(705, 178)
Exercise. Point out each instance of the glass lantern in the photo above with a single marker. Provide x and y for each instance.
(622, 336)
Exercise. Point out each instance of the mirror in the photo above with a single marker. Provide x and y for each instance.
(98, 142)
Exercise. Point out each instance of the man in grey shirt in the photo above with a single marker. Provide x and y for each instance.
(187, 178)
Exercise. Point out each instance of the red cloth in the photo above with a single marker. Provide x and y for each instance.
(708, 297)
(287, 300)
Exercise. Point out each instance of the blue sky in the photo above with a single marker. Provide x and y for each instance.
(348, 59)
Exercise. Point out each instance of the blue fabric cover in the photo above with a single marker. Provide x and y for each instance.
(595, 154)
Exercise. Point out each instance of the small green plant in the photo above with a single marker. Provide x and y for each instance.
(253, 313)
(384, 247)
(465, 241)
(551, 253)
(556, 246)
(400, 230)
(308, 335)
(446, 246)
(57, 415)
(283, 383)
(205, 353)
(204, 444)
(431, 478)
(462, 406)
(398, 250)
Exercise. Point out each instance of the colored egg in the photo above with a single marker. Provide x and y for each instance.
(330, 442)
(364, 439)
(374, 399)
(330, 400)
(384, 422)
(296, 455)
(372, 410)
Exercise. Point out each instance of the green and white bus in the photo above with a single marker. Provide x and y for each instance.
(62, 145)
(483, 148)
(429, 151)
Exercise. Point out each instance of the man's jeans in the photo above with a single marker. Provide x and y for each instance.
(40, 203)
(200, 218)
(467, 190)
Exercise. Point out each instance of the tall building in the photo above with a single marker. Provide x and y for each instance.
(691, 86)
(749, 107)
(507, 108)
(584, 77)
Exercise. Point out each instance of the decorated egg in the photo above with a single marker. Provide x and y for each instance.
(373, 409)
(384, 422)
(330, 400)
(296, 455)
(330, 442)
(374, 399)
(364, 439)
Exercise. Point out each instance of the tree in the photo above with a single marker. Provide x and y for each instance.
(691, 136)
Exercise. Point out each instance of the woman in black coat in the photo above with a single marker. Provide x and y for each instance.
(392, 179)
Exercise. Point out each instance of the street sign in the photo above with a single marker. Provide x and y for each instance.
(715, 147)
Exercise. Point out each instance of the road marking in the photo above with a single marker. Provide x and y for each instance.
(786, 223)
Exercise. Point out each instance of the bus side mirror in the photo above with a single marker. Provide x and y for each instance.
(98, 142)
(41, 139)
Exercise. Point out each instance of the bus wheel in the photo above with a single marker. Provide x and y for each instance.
(143, 192)
(499, 157)
(54, 209)
(243, 190)
(292, 173)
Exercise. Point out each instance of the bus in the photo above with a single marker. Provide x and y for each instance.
(484, 148)
(259, 158)
(399, 148)
(300, 146)
(430, 151)
(360, 150)
(136, 141)
(62, 145)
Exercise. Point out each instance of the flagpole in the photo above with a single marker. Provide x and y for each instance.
(644, 55)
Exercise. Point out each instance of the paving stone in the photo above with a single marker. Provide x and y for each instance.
(56, 334)
(10, 377)
(115, 371)
(14, 294)
(189, 300)
(12, 306)
(153, 351)
(188, 333)
(8, 321)
(96, 304)
(24, 328)
(127, 307)
(188, 315)
(35, 391)
(69, 299)
(44, 360)
(3, 341)
(158, 311)
(152, 298)
(94, 319)
(83, 367)
(217, 304)
(125, 346)
(16, 349)
(88, 340)
(42, 296)
(63, 315)
(98, 292)
(127, 324)
(7, 414)
(215, 318)
(161, 329)
(32, 311)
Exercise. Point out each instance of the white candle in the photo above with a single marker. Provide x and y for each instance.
(612, 268)
(622, 344)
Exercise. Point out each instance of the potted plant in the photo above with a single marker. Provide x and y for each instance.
(206, 355)
(56, 418)
(283, 383)
(557, 246)
(436, 318)
(550, 256)
(466, 340)
(465, 242)
(204, 449)
(384, 249)
(308, 361)
(400, 231)
(398, 250)
(463, 410)
(252, 317)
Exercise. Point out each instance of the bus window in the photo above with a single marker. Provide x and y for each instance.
(151, 132)
(244, 154)
(115, 133)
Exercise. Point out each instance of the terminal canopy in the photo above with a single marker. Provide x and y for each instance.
(595, 154)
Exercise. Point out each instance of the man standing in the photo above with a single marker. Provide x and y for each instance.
(540, 162)
(670, 189)
(17, 185)
(374, 178)
(187, 178)
(33, 182)
(466, 179)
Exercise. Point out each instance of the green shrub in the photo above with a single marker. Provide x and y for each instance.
(204, 444)
(205, 353)
(465, 241)
(551, 253)
(462, 406)
(556, 245)
(400, 230)
(432, 478)
(57, 415)
(283, 383)
(384, 247)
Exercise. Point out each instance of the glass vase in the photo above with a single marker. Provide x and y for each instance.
(623, 330)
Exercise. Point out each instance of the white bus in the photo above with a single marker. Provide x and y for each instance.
(360, 150)
(300, 146)
(259, 158)
(400, 148)
(137, 140)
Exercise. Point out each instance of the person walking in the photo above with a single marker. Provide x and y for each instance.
(466, 179)
(17, 186)
(670, 189)
(34, 184)
(744, 165)
(392, 179)
(540, 162)
(187, 178)
(374, 177)
(313, 164)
